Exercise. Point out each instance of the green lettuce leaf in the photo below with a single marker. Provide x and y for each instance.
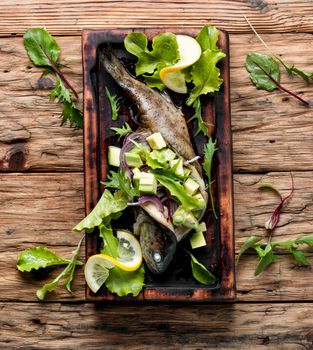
(38, 257)
(164, 53)
(123, 130)
(120, 282)
(107, 205)
(201, 273)
(204, 73)
(177, 190)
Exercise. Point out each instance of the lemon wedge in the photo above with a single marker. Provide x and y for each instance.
(189, 52)
(130, 258)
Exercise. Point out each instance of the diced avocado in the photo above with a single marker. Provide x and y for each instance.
(156, 141)
(202, 227)
(133, 159)
(114, 156)
(137, 176)
(185, 218)
(197, 240)
(168, 154)
(201, 200)
(136, 170)
(142, 150)
(191, 186)
(186, 172)
(147, 184)
(178, 165)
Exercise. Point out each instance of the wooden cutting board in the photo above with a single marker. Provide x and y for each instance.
(218, 255)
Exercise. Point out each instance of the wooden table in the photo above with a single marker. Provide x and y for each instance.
(41, 183)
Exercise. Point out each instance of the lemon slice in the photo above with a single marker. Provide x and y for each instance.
(97, 271)
(189, 52)
(130, 259)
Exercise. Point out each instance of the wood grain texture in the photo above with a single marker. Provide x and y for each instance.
(70, 17)
(271, 132)
(40, 209)
(106, 326)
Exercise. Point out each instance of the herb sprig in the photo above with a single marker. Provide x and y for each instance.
(114, 103)
(123, 130)
(44, 51)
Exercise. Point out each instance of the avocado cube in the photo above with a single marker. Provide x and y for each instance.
(114, 156)
(133, 159)
(199, 197)
(156, 141)
(197, 240)
(191, 186)
(178, 165)
(147, 184)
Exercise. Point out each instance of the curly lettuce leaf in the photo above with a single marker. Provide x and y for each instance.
(108, 204)
(120, 282)
(121, 182)
(164, 53)
(123, 130)
(38, 257)
(204, 73)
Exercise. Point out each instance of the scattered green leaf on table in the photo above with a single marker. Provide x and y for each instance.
(67, 272)
(266, 259)
(256, 62)
(201, 273)
(38, 257)
(249, 243)
(299, 257)
(305, 240)
(272, 188)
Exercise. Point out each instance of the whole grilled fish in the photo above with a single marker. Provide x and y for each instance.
(155, 111)
(158, 114)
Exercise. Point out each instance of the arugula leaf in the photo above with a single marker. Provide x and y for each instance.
(209, 151)
(68, 271)
(121, 182)
(201, 273)
(70, 112)
(114, 102)
(44, 51)
(305, 240)
(267, 258)
(177, 190)
(249, 243)
(299, 257)
(107, 205)
(120, 282)
(198, 116)
(164, 53)
(38, 257)
(123, 130)
(256, 64)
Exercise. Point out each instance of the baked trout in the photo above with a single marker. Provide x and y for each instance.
(156, 112)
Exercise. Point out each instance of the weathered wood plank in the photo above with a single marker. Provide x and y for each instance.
(40, 209)
(270, 130)
(108, 326)
(70, 17)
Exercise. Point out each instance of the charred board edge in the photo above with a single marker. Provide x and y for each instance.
(91, 39)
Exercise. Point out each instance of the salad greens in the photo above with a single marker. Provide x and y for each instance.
(114, 103)
(44, 51)
(201, 125)
(203, 76)
(209, 151)
(119, 181)
(123, 130)
(119, 281)
(201, 273)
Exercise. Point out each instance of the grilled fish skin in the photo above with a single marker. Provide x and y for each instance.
(156, 111)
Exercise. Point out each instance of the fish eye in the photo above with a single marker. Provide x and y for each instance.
(157, 257)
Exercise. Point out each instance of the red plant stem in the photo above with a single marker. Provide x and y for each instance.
(62, 77)
(281, 87)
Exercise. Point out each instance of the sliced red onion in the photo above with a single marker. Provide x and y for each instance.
(192, 160)
(145, 199)
(129, 143)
